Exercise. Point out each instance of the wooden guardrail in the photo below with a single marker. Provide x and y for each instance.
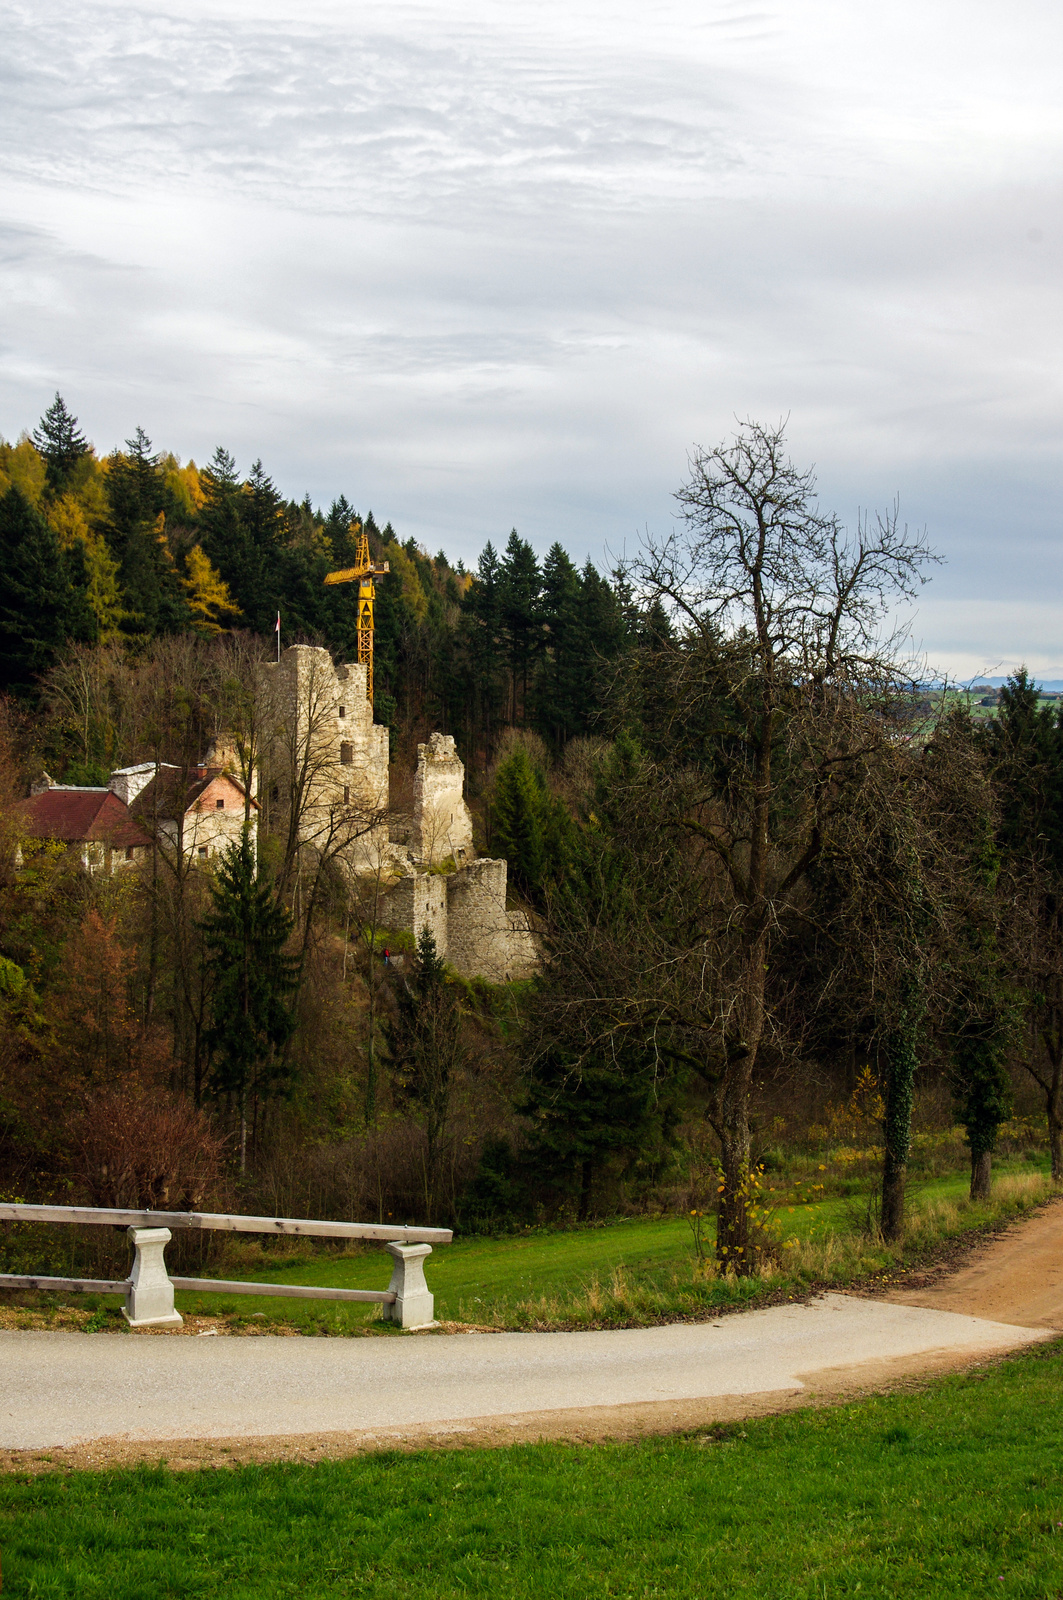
(149, 1289)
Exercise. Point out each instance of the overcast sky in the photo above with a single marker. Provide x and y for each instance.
(483, 265)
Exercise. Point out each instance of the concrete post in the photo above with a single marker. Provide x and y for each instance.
(414, 1305)
(149, 1299)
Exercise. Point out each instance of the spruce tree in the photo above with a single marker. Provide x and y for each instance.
(140, 503)
(253, 982)
(44, 601)
(519, 592)
(61, 443)
(426, 1047)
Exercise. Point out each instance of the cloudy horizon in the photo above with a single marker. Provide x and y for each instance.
(480, 268)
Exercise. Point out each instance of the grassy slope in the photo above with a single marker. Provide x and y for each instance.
(638, 1270)
(956, 1491)
(477, 1279)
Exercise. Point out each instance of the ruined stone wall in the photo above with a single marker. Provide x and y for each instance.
(323, 752)
(483, 938)
(466, 911)
(441, 824)
(418, 901)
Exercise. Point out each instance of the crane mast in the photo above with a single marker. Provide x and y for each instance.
(363, 574)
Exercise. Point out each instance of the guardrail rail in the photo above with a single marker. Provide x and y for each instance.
(149, 1289)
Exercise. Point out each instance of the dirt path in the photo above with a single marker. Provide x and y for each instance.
(1017, 1278)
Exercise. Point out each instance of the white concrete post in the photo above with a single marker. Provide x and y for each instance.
(149, 1299)
(414, 1305)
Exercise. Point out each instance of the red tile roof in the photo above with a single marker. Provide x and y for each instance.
(79, 815)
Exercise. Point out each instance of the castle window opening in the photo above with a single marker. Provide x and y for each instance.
(203, 852)
(346, 794)
(347, 754)
(343, 711)
(220, 804)
(129, 852)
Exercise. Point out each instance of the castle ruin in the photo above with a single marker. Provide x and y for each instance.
(327, 766)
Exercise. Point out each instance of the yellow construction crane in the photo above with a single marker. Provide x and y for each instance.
(363, 575)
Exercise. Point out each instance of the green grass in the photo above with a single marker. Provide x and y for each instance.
(952, 1492)
(639, 1270)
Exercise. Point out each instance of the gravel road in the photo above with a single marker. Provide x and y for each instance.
(63, 1389)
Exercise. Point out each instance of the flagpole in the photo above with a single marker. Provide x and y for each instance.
(278, 638)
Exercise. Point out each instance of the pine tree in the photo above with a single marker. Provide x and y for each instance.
(602, 1116)
(561, 686)
(253, 982)
(61, 443)
(480, 633)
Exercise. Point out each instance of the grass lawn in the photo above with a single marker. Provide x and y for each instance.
(956, 1491)
(627, 1272)
(543, 1276)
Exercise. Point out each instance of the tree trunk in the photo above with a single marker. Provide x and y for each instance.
(981, 1174)
(586, 1175)
(243, 1132)
(734, 1251)
(900, 1059)
(1054, 1108)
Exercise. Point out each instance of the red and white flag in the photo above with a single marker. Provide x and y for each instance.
(277, 629)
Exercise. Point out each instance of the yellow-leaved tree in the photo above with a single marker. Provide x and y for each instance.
(67, 519)
(208, 593)
(22, 468)
(412, 589)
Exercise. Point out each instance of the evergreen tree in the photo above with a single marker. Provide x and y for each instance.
(44, 601)
(1024, 749)
(561, 682)
(254, 979)
(139, 500)
(482, 630)
(517, 819)
(986, 1015)
(530, 826)
(520, 588)
(599, 1118)
(426, 1047)
(61, 443)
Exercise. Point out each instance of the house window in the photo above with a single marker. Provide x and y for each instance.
(129, 852)
(203, 852)
(347, 754)
(346, 794)
(220, 804)
(343, 711)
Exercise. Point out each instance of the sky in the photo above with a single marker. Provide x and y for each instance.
(480, 266)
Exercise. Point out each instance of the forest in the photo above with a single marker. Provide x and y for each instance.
(779, 905)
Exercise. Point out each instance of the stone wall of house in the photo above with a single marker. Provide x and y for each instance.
(215, 819)
(127, 782)
(441, 827)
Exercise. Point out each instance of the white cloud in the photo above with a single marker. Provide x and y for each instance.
(482, 265)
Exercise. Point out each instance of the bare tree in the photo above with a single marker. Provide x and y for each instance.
(769, 689)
